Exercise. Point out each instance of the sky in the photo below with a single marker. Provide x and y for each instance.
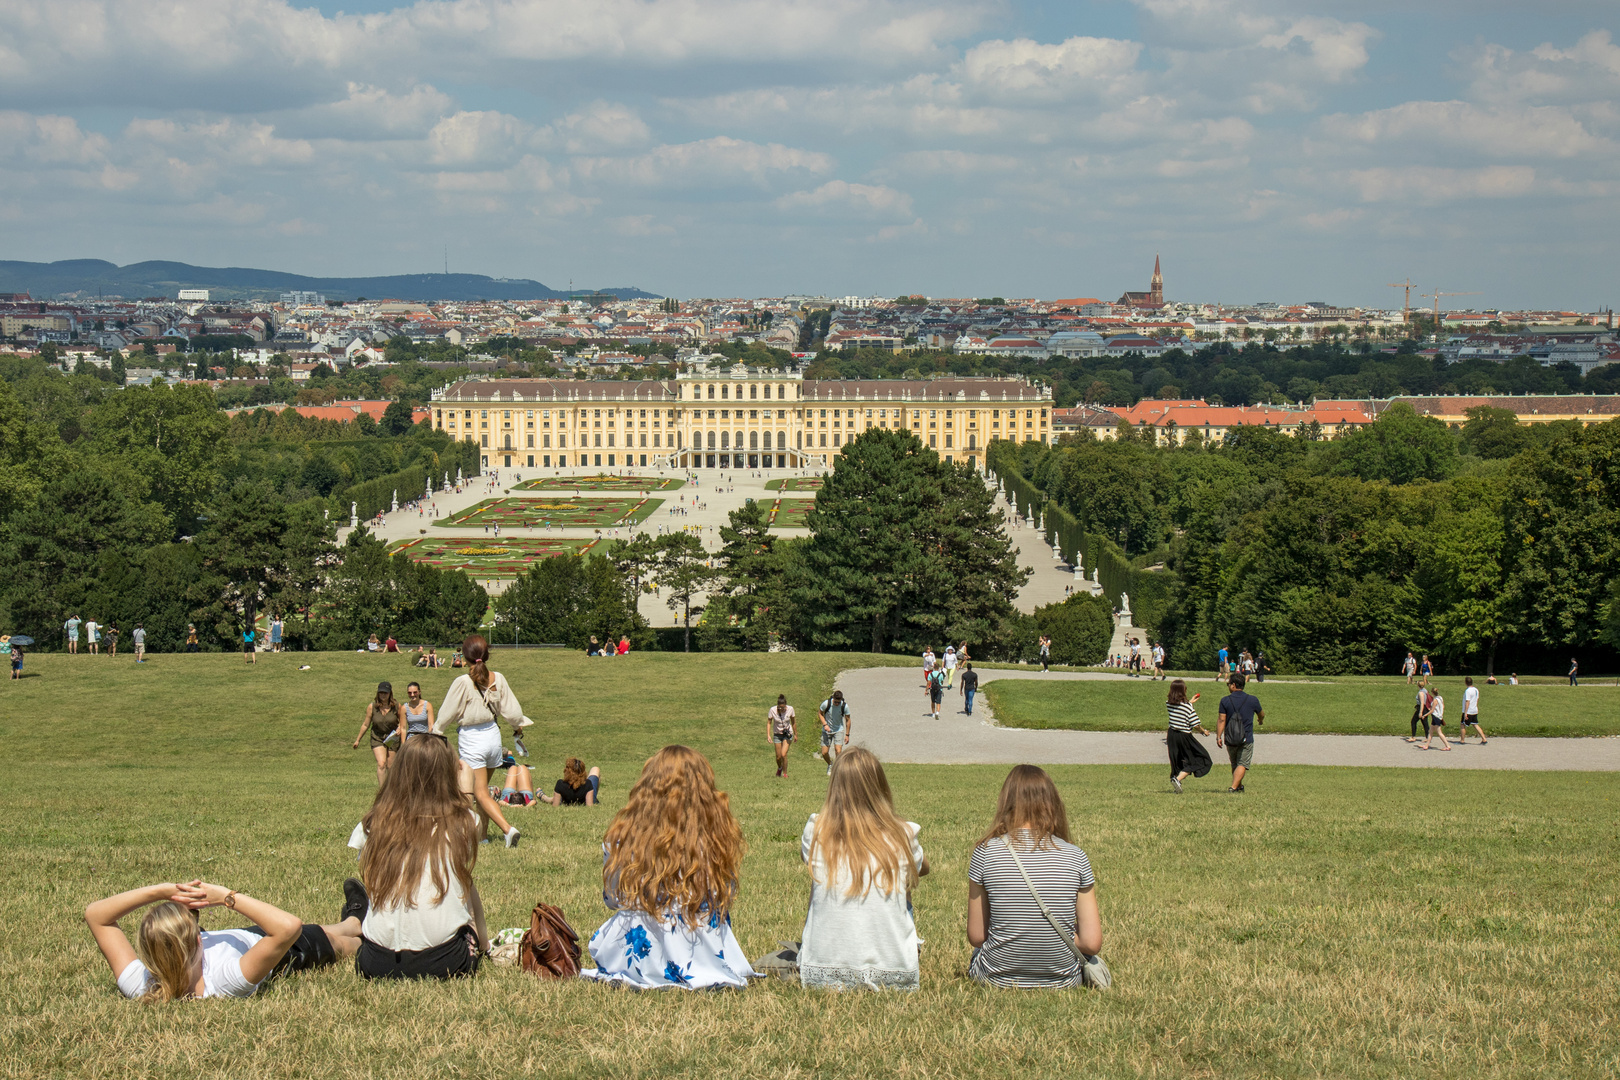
(1285, 150)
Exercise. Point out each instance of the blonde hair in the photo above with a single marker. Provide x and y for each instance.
(168, 945)
(418, 820)
(676, 847)
(859, 832)
(1028, 797)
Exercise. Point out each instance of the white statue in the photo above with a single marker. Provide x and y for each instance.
(1125, 603)
(327, 514)
(394, 509)
(1079, 567)
(458, 474)
(354, 514)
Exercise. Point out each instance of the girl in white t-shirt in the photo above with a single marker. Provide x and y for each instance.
(174, 959)
(864, 861)
(476, 704)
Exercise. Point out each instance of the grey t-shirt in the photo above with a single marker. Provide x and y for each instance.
(1020, 947)
(837, 713)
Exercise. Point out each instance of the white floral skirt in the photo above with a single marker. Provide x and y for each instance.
(638, 950)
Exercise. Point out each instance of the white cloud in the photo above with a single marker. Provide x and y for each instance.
(1459, 125)
(1432, 185)
(468, 139)
(598, 128)
(1080, 67)
(720, 162)
(840, 196)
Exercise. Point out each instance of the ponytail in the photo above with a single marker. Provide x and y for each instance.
(475, 650)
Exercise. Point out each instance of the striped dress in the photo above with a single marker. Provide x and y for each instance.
(1183, 717)
(1187, 754)
(1020, 947)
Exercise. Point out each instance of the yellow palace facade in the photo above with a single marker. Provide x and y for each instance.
(736, 418)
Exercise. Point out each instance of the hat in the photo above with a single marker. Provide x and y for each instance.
(385, 685)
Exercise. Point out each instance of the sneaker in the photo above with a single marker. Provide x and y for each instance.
(1234, 791)
(355, 901)
(1175, 782)
(512, 837)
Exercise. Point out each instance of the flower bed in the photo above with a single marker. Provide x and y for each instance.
(515, 513)
(482, 559)
(796, 483)
(790, 513)
(603, 482)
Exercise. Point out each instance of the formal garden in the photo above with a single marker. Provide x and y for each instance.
(482, 559)
(790, 513)
(603, 482)
(516, 513)
(796, 483)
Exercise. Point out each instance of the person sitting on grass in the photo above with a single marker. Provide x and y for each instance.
(864, 862)
(1032, 898)
(669, 875)
(419, 842)
(519, 787)
(577, 787)
(174, 959)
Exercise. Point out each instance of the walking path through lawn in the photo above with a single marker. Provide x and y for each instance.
(890, 714)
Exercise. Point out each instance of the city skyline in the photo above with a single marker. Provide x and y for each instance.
(1282, 151)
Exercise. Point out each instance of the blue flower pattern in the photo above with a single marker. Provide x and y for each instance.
(646, 952)
(675, 975)
(637, 946)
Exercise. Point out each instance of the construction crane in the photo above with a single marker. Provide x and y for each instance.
(1436, 295)
(1406, 314)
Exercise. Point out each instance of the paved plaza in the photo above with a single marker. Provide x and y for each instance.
(701, 505)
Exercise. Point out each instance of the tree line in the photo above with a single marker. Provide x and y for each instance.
(1498, 542)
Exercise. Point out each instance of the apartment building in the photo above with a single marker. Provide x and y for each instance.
(733, 418)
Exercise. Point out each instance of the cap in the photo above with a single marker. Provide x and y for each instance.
(385, 685)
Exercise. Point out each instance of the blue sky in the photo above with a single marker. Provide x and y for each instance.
(1269, 150)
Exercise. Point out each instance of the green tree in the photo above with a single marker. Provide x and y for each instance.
(1080, 627)
(171, 437)
(1493, 433)
(258, 547)
(1399, 447)
(30, 454)
(683, 573)
(398, 418)
(564, 600)
(364, 424)
(750, 604)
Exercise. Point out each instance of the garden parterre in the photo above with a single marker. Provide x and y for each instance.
(790, 513)
(1335, 922)
(485, 558)
(603, 482)
(796, 483)
(516, 513)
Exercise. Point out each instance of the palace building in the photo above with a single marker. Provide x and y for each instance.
(731, 418)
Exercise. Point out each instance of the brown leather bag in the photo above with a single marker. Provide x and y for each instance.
(550, 948)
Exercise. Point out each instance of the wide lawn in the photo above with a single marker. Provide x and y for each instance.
(1344, 923)
(1372, 705)
(516, 513)
(603, 482)
(482, 557)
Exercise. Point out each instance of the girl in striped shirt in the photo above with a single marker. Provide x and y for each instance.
(1187, 755)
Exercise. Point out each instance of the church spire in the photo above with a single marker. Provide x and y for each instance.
(1156, 288)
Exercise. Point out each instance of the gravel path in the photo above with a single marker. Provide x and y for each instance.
(890, 713)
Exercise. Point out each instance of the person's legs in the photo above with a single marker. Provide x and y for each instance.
(381, 754)
(1480, 730)
(1417, 718)
(594, 778)
(969, 695)
(488, 808)
(344, 936)
(780, 746)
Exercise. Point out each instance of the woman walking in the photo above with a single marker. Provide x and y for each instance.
(782, 728)
(386, 721)
(418, 712)
(476, 704)
(1187, 756)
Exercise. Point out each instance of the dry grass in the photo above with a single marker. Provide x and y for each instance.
(1334, 923)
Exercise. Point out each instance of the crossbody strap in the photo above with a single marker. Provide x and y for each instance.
(1056, 926)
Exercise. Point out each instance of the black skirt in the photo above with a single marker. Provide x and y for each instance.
(1187, 754)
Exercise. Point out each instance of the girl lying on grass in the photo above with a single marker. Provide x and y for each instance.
(174, 959)
(669, 876)
(864, 861)
(420, 840)
(1032, 899)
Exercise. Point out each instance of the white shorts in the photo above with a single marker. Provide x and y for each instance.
(480, 747)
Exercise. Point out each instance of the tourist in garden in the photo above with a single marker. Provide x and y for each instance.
(1223, 661)
(250, 648)
(624, 645)
(782, 731)
(1046, 651)
(1574, 671)
(276, 627)
(476, 704)
(578, 787)
(1187, 755)
(936, 689)
(864, 862)
(950, 666)
(418, 846)
(16, 660)
(970, 687)
(191, 638)
(92, 634)
(112, 639)
(1032, 915)
(1420, 713)
(928, 665)
(139, 637)
(1234, 729)
(670, 864)
(1409, 667)
(1425, 669)
(386, 722)
(173, 959)
(594, 648)
(835, 726)
(519, 787)
(71, 629)
(418, 711)
(1435, 717)
(1470, 713)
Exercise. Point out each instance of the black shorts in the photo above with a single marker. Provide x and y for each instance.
(247, 647)
(313, 949)
(455, 958)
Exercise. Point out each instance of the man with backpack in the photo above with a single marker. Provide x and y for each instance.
(1234, 729)
(835, 725)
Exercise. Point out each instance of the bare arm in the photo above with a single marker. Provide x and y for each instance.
(1220, 728)
(103, 916)
(1087, 922)
(280, 929)
(363, 725)
(475, 904)
(978, 921)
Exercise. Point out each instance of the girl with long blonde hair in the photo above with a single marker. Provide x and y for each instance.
(669, 875)
(174, 959)
(476, 704)
(420, 841)
(864, 861)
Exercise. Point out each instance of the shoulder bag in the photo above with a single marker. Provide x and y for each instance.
(1092, 969)
(550, 948)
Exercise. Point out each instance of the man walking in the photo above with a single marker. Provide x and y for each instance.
(1470, 715)
(1225, 662)
(970, 686)
(71, 628)
(1234, 729)
(835, 727)
(936, 689)
(1409, 668)
(140, 643)
(1158, 660)
(1574, 672)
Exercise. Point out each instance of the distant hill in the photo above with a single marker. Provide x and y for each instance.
(90, 278)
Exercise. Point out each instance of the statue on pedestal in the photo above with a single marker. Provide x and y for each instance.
(394, 509)
(354, 515)
(1079, 568)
